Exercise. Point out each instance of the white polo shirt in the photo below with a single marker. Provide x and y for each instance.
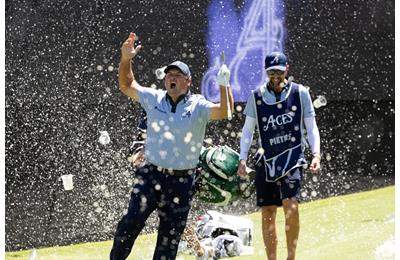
(174, 139)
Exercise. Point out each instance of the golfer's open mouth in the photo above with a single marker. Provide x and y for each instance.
(173, 85)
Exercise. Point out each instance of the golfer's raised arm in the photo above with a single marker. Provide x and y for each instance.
(127, 83)
(220, 111)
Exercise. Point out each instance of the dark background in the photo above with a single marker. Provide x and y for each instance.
(61, 90)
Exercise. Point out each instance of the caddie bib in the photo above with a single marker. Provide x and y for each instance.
(281, 132)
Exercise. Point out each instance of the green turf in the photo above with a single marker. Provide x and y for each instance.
(344, 227)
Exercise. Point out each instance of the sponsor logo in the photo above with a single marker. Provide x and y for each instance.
(187, 114)
(276, 59)
(279, 120)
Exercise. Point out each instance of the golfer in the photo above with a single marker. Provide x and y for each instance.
(176, 121)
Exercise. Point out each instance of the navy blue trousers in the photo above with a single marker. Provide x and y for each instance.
(171, 196)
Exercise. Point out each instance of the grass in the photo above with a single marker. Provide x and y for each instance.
(344, 227)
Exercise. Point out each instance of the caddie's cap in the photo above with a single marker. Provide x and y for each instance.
(275, 61)
(180, 66)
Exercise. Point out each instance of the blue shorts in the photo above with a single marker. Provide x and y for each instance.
(272, 193)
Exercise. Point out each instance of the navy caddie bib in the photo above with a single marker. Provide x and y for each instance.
(281, 132)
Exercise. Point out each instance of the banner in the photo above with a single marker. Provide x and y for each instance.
(246, 36)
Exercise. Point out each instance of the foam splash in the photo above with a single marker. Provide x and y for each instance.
(386, 250)
(104, 138)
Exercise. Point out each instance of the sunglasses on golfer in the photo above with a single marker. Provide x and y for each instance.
(275, 72)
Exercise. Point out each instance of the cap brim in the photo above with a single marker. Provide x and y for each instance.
(170, 67)
(278, 67)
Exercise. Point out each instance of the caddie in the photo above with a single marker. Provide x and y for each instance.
(282, 110)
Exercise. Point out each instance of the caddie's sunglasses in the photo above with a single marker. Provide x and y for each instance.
(275, 72)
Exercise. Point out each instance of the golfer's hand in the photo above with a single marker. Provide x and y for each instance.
(315, 164)
(223, 76)
(242, 168)
(138, 158)
(128, 50)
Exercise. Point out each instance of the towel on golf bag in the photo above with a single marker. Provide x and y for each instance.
(227, 246)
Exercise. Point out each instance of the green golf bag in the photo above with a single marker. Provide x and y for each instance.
(219, 183)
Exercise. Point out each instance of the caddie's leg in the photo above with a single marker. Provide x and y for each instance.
(268, 214)
(142, 203)
(292, 226)
(268, 198)
(173, 212)
(290, 190)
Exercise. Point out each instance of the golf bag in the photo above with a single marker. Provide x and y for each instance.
(219, 183)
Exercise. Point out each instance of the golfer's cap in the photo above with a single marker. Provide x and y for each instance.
(275, 61)
(180, 66)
